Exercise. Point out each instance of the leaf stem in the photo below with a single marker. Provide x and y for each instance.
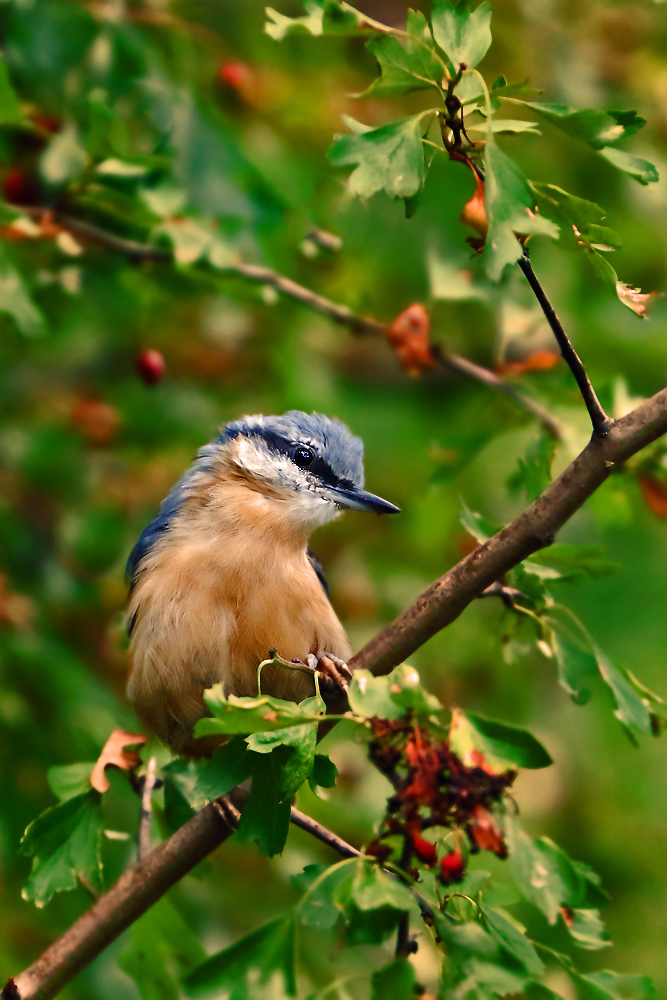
(602, 424)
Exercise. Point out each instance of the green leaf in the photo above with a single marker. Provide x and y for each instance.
(182, 798)
(64, 843)
(612, 986)
(64, 157)
(10, 112)
(626, 987)
(587, 929)
(471, 91)
(550, 880)
(266, 953)
(408, 64)
(479, 527)
(630, 708)
(226, 768)
(464, 35)
(512, 940)
(576, 665)
(320, 907)
(15, 301)
(509, 209)
(572, 213)
(251, 715)
(591, 126)
(395, 981)
(302, 881)
(389, 158)
(500, 125)
(159, 940)
(324, 772)
(635, 166)
(323, 17)
(534, 472)
(70, 780)
(575, 561)
(500, 745)
(390, 697)
(536, 991)
(277, 776)
(372, 888)
(370, 696)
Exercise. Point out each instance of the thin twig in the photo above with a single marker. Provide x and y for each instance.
(266, 276)
(146, 818)
(489, 378)
(601, 422)
(326, 836)
(143, 884)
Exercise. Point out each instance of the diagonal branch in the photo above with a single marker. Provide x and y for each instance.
(443, 602)
(601, 422)
(338, 313)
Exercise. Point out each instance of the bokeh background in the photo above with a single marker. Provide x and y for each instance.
(225, 123)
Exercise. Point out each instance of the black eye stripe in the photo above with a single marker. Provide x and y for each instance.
(318, 467)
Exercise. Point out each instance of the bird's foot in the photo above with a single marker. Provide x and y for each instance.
(333, 675)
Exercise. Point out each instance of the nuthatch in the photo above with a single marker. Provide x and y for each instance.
(223, 575)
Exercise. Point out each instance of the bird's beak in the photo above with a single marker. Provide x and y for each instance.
(356, 499)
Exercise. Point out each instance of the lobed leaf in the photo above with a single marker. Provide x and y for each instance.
(235, 715)
(480, 741)
(512, 940)
(322, 17)
(463, 35)
(64, 843)
(392, 696)
(394, 981)
(509, 208)
(267, 952)
(158, 940)
(406, 64)
(70, 780)
(389, 158)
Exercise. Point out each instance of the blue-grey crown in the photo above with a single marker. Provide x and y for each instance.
(337, 461)
(338, 453)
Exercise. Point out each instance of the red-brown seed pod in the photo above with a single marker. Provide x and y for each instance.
(424, 850)
(452, 868)
(20, 187)
(150, 366)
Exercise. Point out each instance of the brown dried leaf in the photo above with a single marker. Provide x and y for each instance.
(655, 495)
(535, 362)
(115, 754)
(409, 337)
(635, 299)
(485, 834)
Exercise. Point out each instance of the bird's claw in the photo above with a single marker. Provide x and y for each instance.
(333, 674)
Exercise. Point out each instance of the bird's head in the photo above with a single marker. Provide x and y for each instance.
(308, 464)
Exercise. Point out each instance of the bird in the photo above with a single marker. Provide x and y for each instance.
(223, 577)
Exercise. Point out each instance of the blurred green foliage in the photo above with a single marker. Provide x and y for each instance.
(186, 125)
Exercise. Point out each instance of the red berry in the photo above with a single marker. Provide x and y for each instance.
(150, 366)
(235, 75)
(452, 867)
(424, 850)
(20, 188)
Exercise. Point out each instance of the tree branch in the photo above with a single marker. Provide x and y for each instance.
(601, 422)
(443, 602)
(338, 313)
(447, 597)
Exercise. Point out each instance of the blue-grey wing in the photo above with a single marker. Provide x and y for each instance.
(319, 572)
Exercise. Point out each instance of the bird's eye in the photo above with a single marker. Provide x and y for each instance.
(303, 457)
